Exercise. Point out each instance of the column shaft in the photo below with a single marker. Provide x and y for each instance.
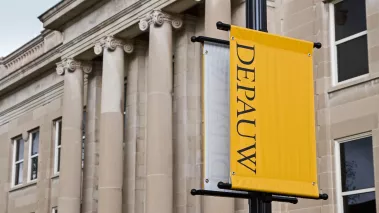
(111, 132)
(131, 137)
(90, 170)
(159, 190)
(71, 154)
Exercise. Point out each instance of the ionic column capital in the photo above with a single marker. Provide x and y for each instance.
(71, 65)
(157, 18)
(111, 43)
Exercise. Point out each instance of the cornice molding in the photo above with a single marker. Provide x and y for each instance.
(55, 10)
(12, 79)
(157, 18)
(103, 24)
(23, 72)
(23, 49)
(28, 52)
(62, 13)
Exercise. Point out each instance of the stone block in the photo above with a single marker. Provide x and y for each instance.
(324, 148)
(328, 209)
(375, 138)
(373, 21)
(302, 32)
(299, 18)
(354, 109)
(293, 6)
(354, 126)
(326, 164)
(374, 66)
(373, 54)
(372, 7)
(326, 181)
(307, 210)
(305, 203)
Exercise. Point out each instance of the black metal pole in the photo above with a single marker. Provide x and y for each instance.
(256, 15)
(256, 18)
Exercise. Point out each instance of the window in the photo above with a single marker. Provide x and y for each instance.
(54, 210)
(355, 175)
(348, 39)
(57, 141)
(33, 155)
(18, 161)
(83, 135)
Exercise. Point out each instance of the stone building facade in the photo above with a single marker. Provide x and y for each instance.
(102, 111)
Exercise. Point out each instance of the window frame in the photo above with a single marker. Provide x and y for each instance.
(14, 162)
(30, 156)
(334, 43)
(54, 210)
(57, 125)
(337, 155)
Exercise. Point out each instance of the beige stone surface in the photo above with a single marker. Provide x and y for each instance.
(157, 149)
(71, 152)
(92, 138)
(111, 126)
(134, 152)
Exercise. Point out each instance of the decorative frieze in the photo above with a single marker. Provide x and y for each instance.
(19, 58)
(157, 18)
(71, 65)
(111, 43)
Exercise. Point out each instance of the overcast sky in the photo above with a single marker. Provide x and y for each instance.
(19, 22)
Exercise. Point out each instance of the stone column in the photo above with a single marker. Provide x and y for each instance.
(90, 170)
(159, 189)
(134, 166)
(217, 10)
(187, 118)
(111, 124)
(71, 151)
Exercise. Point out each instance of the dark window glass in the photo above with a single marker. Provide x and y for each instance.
(83, 135)
(18, 173)
(352, 58)
(350, 18)
(359, 203)
(59, 133)
(19, 149)
(59, 160)
(34, 165)
(357, 168)
(35, 143)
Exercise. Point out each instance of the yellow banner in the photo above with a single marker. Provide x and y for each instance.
(272, 116)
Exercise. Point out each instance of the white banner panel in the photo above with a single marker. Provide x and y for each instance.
(216, 114)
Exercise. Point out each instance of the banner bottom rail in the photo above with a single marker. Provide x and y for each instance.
(266, 198)
(228, 186)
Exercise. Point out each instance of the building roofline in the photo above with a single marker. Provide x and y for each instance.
(64, 11)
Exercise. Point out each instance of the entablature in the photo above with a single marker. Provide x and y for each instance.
(57, 16)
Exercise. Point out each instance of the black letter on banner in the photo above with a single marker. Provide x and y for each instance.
(249, 157)
(246, 70)
(248, 122)
(249, 89)
(252, 109)
(249, 48)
